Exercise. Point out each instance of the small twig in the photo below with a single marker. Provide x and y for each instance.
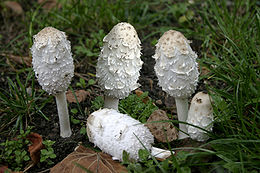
(27, 168)
(46, 170)
(81, 76)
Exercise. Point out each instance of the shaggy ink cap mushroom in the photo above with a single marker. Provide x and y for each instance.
(53, 65)
(114, 133)
(52, 60)
(201, 115)
(176, 66)
(119, 61)
(177, 71)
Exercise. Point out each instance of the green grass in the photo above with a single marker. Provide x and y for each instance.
(231, 52)
(19, 103)
(229, 33)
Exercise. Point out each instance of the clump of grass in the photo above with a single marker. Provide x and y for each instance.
(232, 55)
(18, 103)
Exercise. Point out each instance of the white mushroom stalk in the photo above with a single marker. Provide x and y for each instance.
(177, 72)
(201, 115)
(114, 133)
(119, 64)
(53, 65)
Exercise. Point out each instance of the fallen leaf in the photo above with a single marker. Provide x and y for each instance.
(139, 93)
(49, 4)
(83, 159)
(36, 146)
(4, 169)
(18, 59)
(14, 6)
(161, 130)
(80, 94)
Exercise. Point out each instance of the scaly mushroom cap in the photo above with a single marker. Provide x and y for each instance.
(176, 66)
(119, 61)
(201, 115)
(114, 132)
(52, 60)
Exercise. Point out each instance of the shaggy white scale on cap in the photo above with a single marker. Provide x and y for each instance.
(52, 60)
(176, 66)
(201, 115)
(114, 132)
(119, 61)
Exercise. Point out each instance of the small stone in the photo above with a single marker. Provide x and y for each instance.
(158, 102)
(161, 130)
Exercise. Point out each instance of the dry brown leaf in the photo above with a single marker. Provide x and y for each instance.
(18, 59)
(4, 169)
(161, 130)
(97, 162)
(14, 6)
(139, 93)
(49, 4)
(36, 146)
(80, 94)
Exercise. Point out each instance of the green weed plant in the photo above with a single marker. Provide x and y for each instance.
(47, 154)
(135, 106)
(14, 152)
(132, 105)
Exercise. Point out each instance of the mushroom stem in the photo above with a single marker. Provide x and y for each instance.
(65, 130)
(182, 113)
(111, 102)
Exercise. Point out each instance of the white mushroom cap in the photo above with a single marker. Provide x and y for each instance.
(176, 66)
(52, 60)
(201, 115)
(114, 132)
(119, 61)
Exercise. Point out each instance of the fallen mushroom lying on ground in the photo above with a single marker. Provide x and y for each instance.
(119, 64)
(53, 65)
(177, 72)
(114, 133)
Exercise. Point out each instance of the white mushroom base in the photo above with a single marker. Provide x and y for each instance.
(114, 132)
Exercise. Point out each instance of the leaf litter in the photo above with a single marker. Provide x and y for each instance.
(83, 159)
